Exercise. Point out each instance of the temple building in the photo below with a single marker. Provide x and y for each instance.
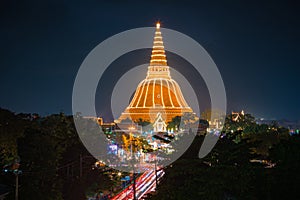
(159, 124)
(158, 92)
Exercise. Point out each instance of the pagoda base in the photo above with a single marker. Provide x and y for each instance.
(150, 114)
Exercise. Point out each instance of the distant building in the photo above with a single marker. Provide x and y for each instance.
(202, 127)
(236, 116)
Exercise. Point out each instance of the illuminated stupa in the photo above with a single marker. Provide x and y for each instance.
(158, 93)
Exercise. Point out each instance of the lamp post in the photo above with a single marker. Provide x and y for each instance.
(132, 128)
(155, 166)
(17, 172)
(156, 181)
(14, 168)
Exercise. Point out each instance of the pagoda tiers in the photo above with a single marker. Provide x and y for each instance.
(158, 92)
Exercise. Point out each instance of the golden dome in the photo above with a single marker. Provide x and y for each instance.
(158, 93)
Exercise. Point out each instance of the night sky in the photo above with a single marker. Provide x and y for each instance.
(255, 46)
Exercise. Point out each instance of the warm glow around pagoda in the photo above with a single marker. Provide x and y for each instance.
(158, 93)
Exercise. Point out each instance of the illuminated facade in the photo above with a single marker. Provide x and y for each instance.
(158, 93)
(159, 124)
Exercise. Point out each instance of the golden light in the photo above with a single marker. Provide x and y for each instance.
(157, 25)
(158, 83)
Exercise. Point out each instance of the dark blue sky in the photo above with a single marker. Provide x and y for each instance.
(254, 44)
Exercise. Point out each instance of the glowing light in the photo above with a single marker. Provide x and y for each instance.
(163, 55)
(170, 94)
(153, 102)
(146, 94)
(158, 46)
(157, 25)
(162, 94)
(143, 104)
(141, 95)
(158, 50)
(158, 60)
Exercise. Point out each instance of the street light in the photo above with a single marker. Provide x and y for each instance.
(166, 141)
(17, 172)
(156, 181)
(14, 168)
(132, 128)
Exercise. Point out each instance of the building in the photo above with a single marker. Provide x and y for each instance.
(158, 92)
(159, 124)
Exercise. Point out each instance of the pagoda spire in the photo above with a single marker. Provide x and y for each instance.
(158, 93)
(158, 56)
(158, 67)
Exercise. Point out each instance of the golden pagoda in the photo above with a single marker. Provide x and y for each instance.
(158, 93)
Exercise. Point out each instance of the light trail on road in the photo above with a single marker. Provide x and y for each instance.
(144, 184)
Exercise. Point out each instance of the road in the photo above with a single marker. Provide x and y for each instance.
(144, 184)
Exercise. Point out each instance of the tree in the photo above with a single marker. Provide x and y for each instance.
(142, 122)
(126, 142)
(39, 162)
(174, 123)
(243, 122)
(12, 127)
(192, 178)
